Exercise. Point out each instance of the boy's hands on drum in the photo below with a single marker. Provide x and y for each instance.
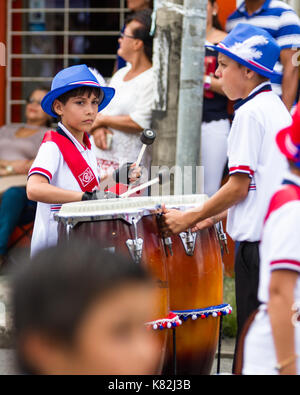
(207, 223)
(134, 173)
(173, 221)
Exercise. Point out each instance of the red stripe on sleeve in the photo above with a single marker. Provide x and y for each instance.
(241, 169)
(40, 170)
(286, 263)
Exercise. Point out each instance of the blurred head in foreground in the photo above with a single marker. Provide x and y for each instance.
(81, 310)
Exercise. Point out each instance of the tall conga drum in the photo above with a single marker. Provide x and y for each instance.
(195, 276)
(126, 226)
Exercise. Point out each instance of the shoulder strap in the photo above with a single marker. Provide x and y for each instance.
(286, 194)
(76, 163)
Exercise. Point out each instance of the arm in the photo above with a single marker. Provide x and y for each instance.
(234, 191)
(290, 79)
(39, 189)
(281, 291)
(18, 167)
(119, 122)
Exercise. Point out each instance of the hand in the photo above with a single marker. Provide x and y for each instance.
(100, 138)
(173, 221)
(20, 166)
(207, 223)
(134, 173)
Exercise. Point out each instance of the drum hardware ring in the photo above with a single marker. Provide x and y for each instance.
(167, 241)
(188, 239)
(222, 237)
(135, 246)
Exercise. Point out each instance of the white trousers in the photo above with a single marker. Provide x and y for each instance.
(214, 153)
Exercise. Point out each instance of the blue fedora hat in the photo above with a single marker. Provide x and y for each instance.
(71, 78)
(252, 47)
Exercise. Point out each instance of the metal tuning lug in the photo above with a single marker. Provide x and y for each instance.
(222, 237)
(167, 241)
(168, 245)
(189, 241)
(135, 246)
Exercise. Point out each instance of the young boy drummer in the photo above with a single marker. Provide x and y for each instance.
(246, 60)
(65, 169)
(272, 343)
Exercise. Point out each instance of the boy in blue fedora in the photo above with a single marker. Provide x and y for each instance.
(246, 60)
(65, 169)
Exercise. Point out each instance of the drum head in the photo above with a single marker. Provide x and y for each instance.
(118, 208)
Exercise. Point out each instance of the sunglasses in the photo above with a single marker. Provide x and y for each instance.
(33, 101)
(122, 35)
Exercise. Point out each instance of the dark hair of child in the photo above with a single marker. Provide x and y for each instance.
(53, 291)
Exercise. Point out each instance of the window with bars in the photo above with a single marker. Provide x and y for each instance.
(44, 36)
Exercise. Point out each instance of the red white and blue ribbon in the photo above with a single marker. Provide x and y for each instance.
(214, 311)
(169, 322)
(178, 317)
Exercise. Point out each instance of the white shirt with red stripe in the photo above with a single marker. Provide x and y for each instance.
(252, 150)
(279, 250)
(50, 163)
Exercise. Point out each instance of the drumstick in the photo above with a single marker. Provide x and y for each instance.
(158, 179)
(147, 138)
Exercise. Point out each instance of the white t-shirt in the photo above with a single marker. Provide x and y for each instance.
(133, 98)
(279, 249)
(252, 150)
(50, 163)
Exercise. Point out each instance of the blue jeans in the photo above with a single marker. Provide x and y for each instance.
(15, 209)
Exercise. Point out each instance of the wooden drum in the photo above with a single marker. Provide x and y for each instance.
(120, 226)
(187, 267)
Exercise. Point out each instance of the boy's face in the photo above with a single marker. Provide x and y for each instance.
(232, 77)
(78, 113)
(111, 338)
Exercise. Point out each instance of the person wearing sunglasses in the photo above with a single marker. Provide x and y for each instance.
(116, 131)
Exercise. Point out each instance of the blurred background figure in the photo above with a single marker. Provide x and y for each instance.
(130, 111)
(78, 309)
(216, 124)
(134, 6)
(19, 144)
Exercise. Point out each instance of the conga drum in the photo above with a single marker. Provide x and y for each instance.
(195, 276)
(126, 226)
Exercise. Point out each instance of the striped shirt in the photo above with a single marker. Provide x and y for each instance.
(278, 19)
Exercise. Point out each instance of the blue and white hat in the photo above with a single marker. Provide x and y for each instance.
(252, 47)
(71, 78)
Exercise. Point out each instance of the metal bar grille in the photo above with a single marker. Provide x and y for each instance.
(65, 54)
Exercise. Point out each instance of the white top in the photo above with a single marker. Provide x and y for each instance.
(50, 163)
(279, 249)
(133, 98)
(252, 150)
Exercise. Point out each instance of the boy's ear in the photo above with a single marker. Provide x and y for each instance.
(57, 107)
(249, 73)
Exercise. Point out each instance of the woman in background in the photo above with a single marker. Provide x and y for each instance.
(19, 144)
(130, 111)
(133, 6)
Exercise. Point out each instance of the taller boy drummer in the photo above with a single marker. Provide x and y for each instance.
(246, 60)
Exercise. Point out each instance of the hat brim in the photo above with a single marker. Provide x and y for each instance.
(262, 71)
(50, 97)
(281, 140)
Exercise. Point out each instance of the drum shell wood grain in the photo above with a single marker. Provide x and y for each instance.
(112, 235)
(195, 282)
